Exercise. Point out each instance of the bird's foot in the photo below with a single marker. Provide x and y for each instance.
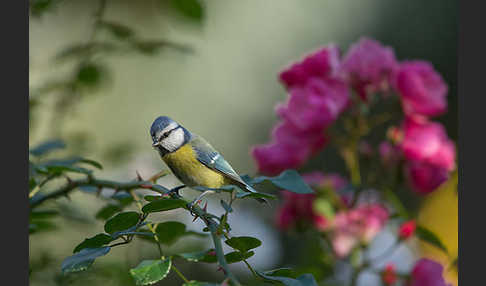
(175, 191)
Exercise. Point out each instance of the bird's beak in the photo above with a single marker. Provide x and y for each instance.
(155, 144)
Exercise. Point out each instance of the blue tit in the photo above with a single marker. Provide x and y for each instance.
(191, 158)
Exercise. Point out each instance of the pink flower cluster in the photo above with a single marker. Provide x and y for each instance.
(317, 95)
(427, 272)
(358, 225)
(299, 207)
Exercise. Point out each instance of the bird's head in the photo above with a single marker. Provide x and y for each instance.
(167, 135)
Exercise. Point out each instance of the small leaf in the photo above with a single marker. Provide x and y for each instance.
(302, 280)
(118, 30)
(282, 272)
(151, 198)
(237, 256)
(288, 180)
(168, 232)
(258, 195)
(107, 211)
(430, 237)
(122, 221)
(41, 226)
(243, 243)
(226, 206)
(190, 8)
(47, 147)
(208, 256)
(150, 271)
(94, 242)
(83, 259)
(92, 163)
(80, 50)
(163, 205)
(40, 214)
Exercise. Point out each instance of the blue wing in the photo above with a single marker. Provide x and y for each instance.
(212, 159)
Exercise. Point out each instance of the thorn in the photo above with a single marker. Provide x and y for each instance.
(145, 186)
(205, 207)
(139, 178)
(195, 218)
(69, 181)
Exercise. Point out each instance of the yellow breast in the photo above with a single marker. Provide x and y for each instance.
(185, 166)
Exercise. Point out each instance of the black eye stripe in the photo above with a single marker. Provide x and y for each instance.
(167, 133)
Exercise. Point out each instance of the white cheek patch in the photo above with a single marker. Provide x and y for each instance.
(171, 126)
(174, 141)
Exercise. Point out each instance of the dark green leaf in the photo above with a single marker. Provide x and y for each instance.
(208, 256)
(107, 211)
(47, 147)
(259, 195)
(288, 180)
(194, 233)
(121, 221)
(237, 256)
(430, 237)
(243, 243)
(57, 168)
(192, 9)
(226, 206)
(94, 242)
(150, 271)
(92, 163)
(39, 214)
(282, 272)
(302, 280)
(168, 232)
(90, 74)
(163, 205)
(41, 226)
(151, 198)
(83, 259)
(39, 7)
(118, 30)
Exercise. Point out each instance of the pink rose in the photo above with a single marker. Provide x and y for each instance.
(315, 105)
(422, 89)
(319, 64)
(427, 272)
(368, 66)
(428, 142)
(425, 177)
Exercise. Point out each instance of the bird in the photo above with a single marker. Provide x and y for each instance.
(191, 158)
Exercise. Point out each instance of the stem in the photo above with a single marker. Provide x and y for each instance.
(180, 274)
(219, 251)
(251, 269)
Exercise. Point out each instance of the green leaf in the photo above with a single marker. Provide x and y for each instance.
(243, 243)
(83, 259)
(168, 232)
(259, 195)
(122, 221)
(282, 272)
(288, 180)
(152, 47)
(118, 30)
(151, 198)
(208, 256)
(323, 207)
(226, 206)
(192, 9)
(430, 237)
(90, 74)
(150, 271)
(41, 226)
(40, 214)
(107, 211)
(302, 280)
(163, 205)
(92, 163)
(237, 256)
(94, 242)
(47, 147)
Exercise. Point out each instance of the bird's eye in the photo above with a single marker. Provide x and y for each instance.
(166, 134)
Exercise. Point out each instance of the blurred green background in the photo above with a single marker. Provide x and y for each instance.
(225, 90)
